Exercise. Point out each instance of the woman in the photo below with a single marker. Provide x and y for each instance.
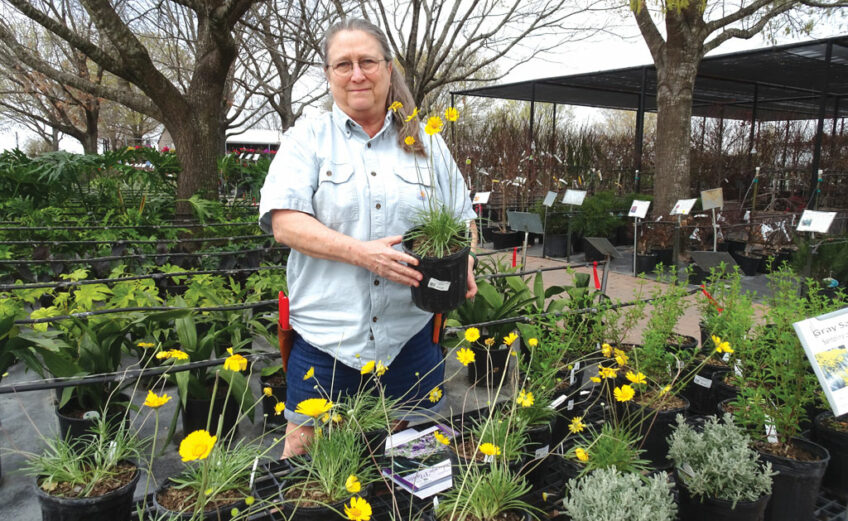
(340, 192)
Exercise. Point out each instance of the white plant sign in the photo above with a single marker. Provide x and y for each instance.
(574, 197)
(683, 207)
(481, 198)
(639, 209)
(825, 341)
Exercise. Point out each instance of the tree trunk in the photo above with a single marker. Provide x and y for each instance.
(197, 139)
(675, 84)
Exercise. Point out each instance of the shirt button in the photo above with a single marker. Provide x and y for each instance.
(370, 337)
(374, 173)
(373, 319)
(369, 145)
(376, 282)
(329, 173)
(378, 206)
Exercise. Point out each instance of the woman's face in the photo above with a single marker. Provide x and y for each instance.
(362, 96)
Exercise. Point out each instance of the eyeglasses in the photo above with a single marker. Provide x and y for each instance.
(345, 67)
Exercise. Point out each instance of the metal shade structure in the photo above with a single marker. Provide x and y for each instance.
(799, 81)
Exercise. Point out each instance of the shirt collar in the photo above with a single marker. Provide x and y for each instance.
(346, 124)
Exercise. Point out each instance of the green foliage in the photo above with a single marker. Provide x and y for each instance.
(332, 458)
(226, 470)
(437, 232)
(505, 430)
(490, 304)
(718, 462)
(609, 495)
(613, 446)
(484, 493)
(600, 214)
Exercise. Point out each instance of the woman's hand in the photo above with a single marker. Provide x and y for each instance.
(380, 258)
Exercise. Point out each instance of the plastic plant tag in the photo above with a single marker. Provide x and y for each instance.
(488, 459)
(91, 415)
(435, 501)
(438, 285)
(556, 403)
(253, 471)
(771, 430)
(570, 404)
(703, 382)
(681, 364)
(541, 452)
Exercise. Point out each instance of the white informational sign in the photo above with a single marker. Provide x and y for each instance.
(825, 340)
(639, 209)
(683, 207)
(813, 221)
(549, 199)
(481, 198)
(712, 198)
(574, 197)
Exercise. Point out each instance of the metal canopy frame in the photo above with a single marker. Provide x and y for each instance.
(798, 81)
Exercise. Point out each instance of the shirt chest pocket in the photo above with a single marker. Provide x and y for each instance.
(336, 199)
(414, 190)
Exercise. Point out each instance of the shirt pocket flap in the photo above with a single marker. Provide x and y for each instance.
(335, 173)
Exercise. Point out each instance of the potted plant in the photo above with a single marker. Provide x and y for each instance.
(333, 477)
(719, 476)
(500, 436)
(439, 237)
(486, 494)
(214, 484)
(91, 479)
(597, 218)
(655, 238)
(609, 494)
(775, 388)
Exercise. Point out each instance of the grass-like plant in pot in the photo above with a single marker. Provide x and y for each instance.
(613, 445)
(607, 494)
(486, 494)
(88, 479)
(440, 237)
(719, 476)
(331, 479)
(215, 483)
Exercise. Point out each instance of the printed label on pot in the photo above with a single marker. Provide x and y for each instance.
(439, 285)
(703, 382)
(488, 459)
(556, 403)
(771, 430)
(570, 405)
(541, 452)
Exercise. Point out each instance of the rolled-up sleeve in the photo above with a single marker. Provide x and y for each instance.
(453, 190)
(292, 177)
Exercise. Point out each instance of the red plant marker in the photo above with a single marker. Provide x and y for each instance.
(595, 273)
(284, 311)
(711, 299)
(514, 256)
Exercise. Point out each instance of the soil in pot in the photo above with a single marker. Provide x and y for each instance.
(180, 503)
(112, 499)
(832, 434)
(445, 279)
(712, 509)
(800, 467)
(488, 366)
(277, 383)
(656, 425)
(306, 502)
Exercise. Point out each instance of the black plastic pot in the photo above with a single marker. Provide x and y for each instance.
(735, 246)
(796, 486)
(665, 256)
(488, 366)
(114, 506)
(836, 442)
(711, 509)
(278, 395)
(196, 413)
(444, 284)
(721, 391)
(655, 427)
(502, 240)
(222, 513)
(646, 263)
(749, 264)
(294, 512)
(72, 427)
(700, 393)
(556, 245)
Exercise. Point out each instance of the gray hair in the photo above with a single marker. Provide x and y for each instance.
(398, 90)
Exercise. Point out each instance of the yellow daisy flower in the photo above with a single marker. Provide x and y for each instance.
(353, 485)
(510, 338)
(465, 356)
(441, 438)
(409, 141)
(533, 342)
(472, 334)
(606, 349)
(358, 510)
(381, 369)
(267, 391)
(367, 368)
(576, 425)
(490, 450)
(154, 402)
(313, 407)
(434, 125)
(524, 399)
(637, 378)
(451, 114)
(720, 346)
(235, 362)
(413, 115)
(608, 372)
(435, 395)
(581, 454)
(624, 393)
(489, 342)
(395, 106)
(279, 408)
(310, 373)
(197, 445)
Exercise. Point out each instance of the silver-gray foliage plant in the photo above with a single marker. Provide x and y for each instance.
(718, 462)
(609, 495)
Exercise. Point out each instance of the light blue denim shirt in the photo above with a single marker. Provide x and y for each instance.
(366, 188)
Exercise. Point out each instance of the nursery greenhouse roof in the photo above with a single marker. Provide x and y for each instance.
(775, 83)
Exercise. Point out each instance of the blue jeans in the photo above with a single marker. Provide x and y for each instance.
(417, 370)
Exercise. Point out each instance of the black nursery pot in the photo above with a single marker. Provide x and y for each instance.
(836, 442)
(488, 366)
(699, 392)
(712, 509)
(503, 240)
(114, 506)
(196, 413)
(796, 486)
(655, 428)
(749, 264)
(591, 253)
(444, 284)
(664, 256)
(646, 263)
(222, 513)
(556, 245)
(73, 427)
